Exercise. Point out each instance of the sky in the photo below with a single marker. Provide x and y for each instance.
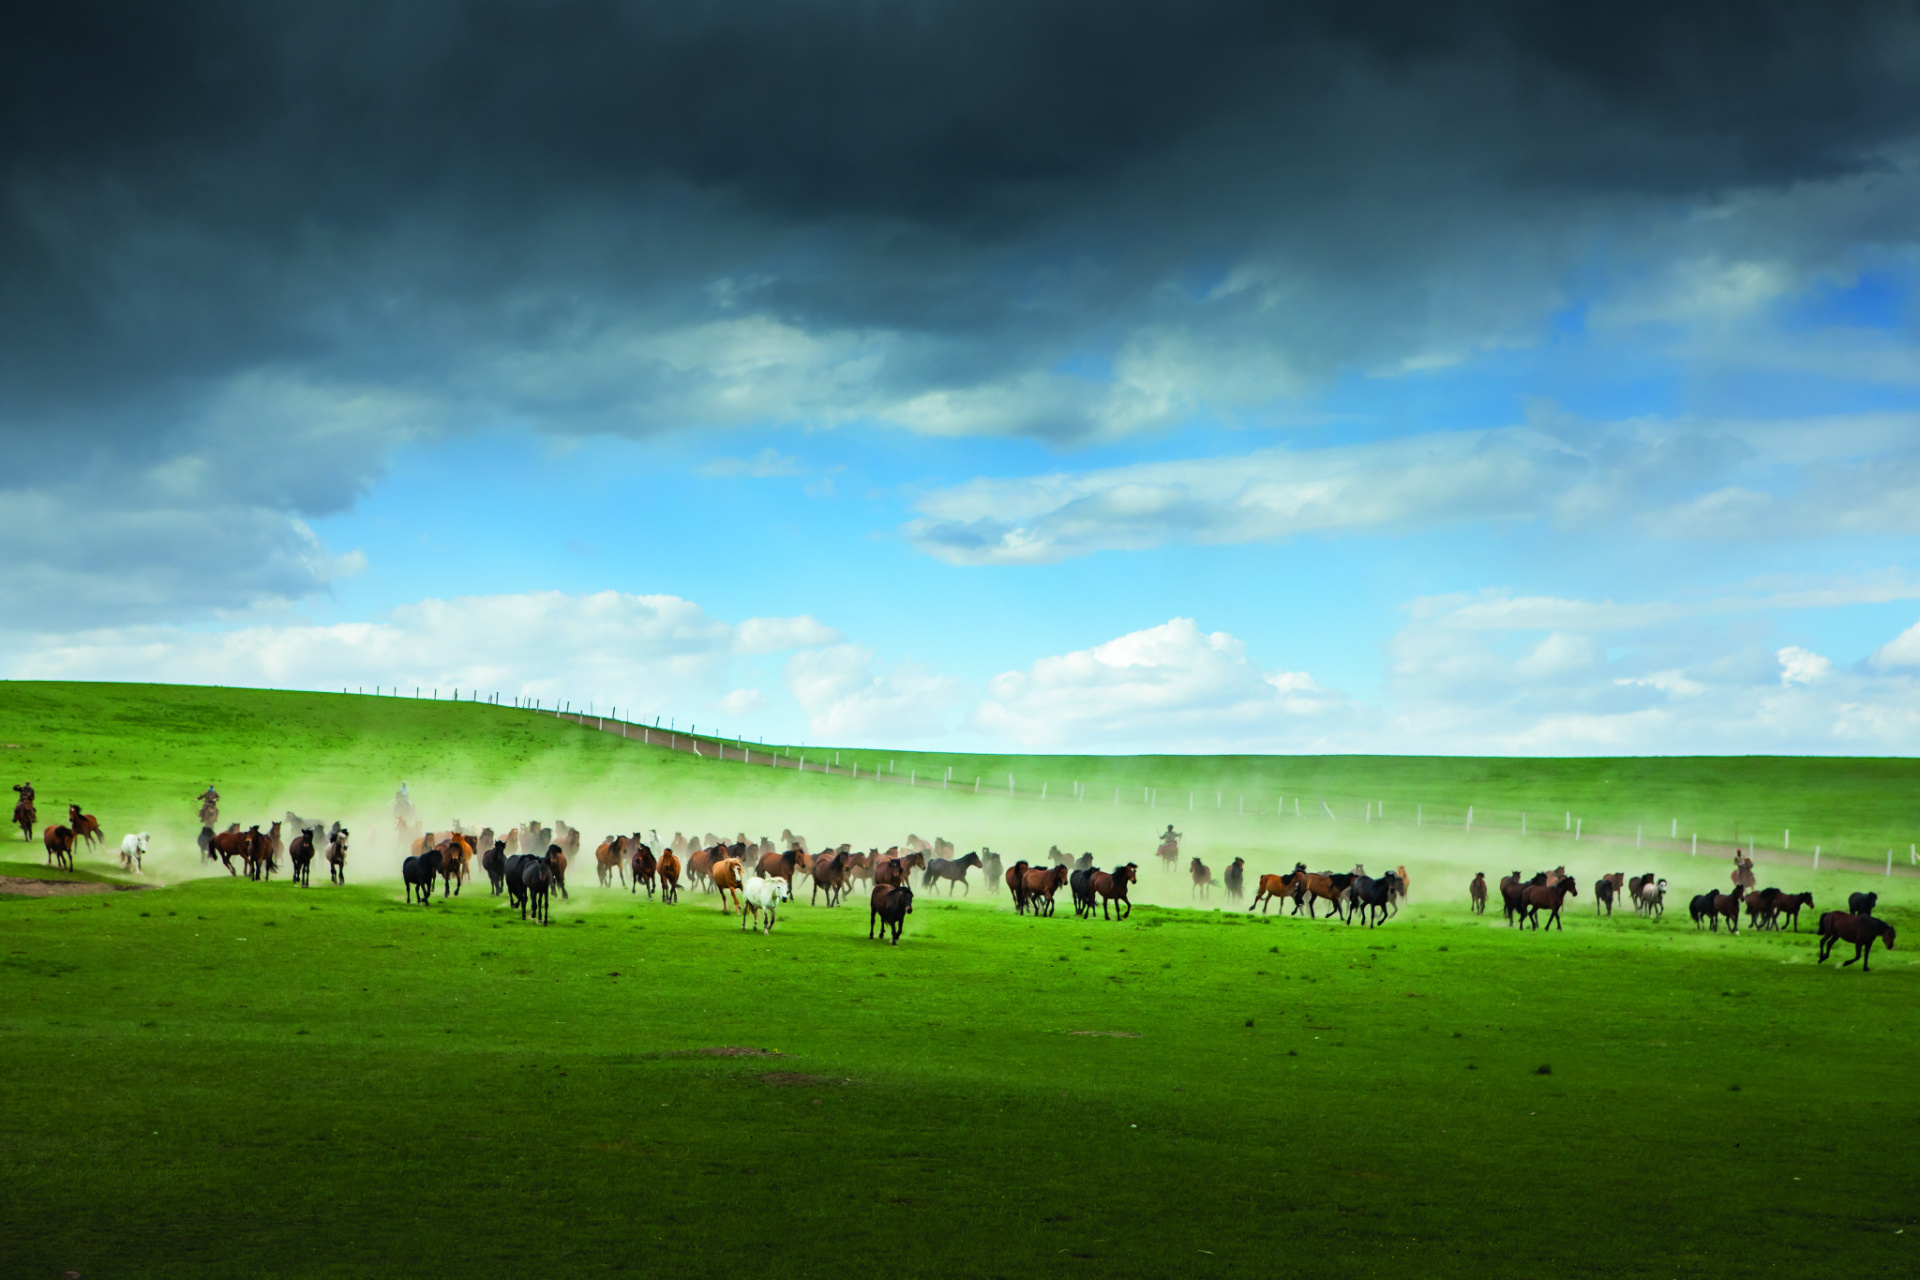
(1496, 378)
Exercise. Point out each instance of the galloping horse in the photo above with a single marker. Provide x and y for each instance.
(85, 825)
(830, 873)
(59, 842)
(669, 877)
(1169, 850)
(1112, 887)
(1038, 886)
(610, 860)
(1862, 931)
(644, 867)
(337, 854)
(1477, 893)
(1202, 878)
(1271, 889)
(1535, 896)
(1016, 877)
(952, 870)
(1235, 877)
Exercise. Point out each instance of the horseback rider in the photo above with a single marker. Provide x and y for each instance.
(403, 805)
(209, 806)
(1170, 836)
(1742, 870)
(25, 791)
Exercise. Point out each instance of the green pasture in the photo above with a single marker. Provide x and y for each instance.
(216, 1077)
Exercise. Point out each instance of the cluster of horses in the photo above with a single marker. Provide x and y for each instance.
(61, 840)
(1349, 894)
(259, 852)
(1766, 909)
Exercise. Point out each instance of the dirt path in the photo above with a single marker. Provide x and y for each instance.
(28, 887)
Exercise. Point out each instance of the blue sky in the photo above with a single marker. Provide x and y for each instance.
(1448, 381)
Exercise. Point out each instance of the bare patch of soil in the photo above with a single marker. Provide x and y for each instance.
(27, 887)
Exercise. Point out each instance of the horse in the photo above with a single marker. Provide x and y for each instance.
(1761, 908)
(235, 843)
(59, 842)
(700, 866)
(537, 879)
(1603, 891)
(892, 869)
(300, 855)
(1727, 905)
(1040, 885)
(1400, 883)
(1202, 879)
(1789, 905)
(952, 870)
(418, 873)
(337, 854)
(1653, 897)
(1111, 886)
(1269, 889)
(669, 877)
(889, 907)
(1080, 884)
(133, 849)
(610, 860)
(644, 867)
(829, 873)
(494, 863)
(556, 860)
(728, 876)
(1511, 891)
(1016, 878)
(1535, 896)
(1329, 886)
(991, 867)
(1862, 931)
(1477, 894)
(1169, 850)
(1862, 904)
(1058, 859)
(85, 825)
(456, 862)
(24, 814)
(1371, 896)
(1235, 878)
(783, 865)
(765, 894)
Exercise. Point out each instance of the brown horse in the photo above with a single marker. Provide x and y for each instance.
(24, 814)
(1400, 883)
(1329, 886)
(1726, 906)
(1511, 889)
(1477, 893)
(1535, 896)
(1169, 851)
(1038, 886)
(1273, 888)
(891, 869)
(456, 862)
(610, 860)
(728, 876)
(669, 876)
(1112, 887)
(1202, 879)
(700, 866)
(783, 865)
(85, 825)
(1862, 931)
(1017, 884)
(337, 855)
(1788, 905)
(830, 873)
(234, 843)
(59, 842)
(644, 867)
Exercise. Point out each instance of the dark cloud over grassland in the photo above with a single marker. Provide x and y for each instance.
(344, 225)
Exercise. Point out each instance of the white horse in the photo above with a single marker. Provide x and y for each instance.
(132, 849)
(763, 894)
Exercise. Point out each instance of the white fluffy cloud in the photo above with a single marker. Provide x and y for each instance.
(651, 653)
(846, 701)
(1167, 687)
(1667, 479)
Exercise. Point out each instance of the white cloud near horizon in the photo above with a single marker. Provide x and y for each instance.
(1666, 479)
(651, 651)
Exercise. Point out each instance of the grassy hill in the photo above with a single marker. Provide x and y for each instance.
(227, 1078)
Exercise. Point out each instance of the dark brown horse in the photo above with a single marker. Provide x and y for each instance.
(1111, 886)
(830, 873)
(1039, 886)
(1534, 897)
(1477, 893)
(1202, 878)
(1329, 886)
(59, 842)
(1234, 878)
(337, 854)
(952, 870)
(1862, 931)
(1017, 884)
(234, 843)
(644, 867)
(24, 814)
(610, 860)
(782, 865)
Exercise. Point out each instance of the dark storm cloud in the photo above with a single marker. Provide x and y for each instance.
(592, 217)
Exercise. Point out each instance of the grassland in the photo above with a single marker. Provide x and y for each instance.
(225, 1078)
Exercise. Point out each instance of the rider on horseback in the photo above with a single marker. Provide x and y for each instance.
(209, 806)
(24, 815)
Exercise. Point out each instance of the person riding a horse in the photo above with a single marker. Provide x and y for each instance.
(403, 805)
(1742, 870)
(209, 806)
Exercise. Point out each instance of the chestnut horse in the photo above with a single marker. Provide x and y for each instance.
(610, 860)
(24, 814)
(1017, 884)
(669, 877)
(1271, 889)
(1038, 886)
(1202, 879)
(85, 825)
(644, 867)
(1535, 896)
(728, 877)
(1477, 893)
(830, 873)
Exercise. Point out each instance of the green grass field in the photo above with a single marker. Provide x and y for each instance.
(226, 1078)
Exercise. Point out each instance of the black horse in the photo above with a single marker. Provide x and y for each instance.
(536, 881)
(1372, 896)
(494, 863)
(1081, 882)
(1235, 879)
(1603, 889)
(952, 870)
(419, 872)
(300, 853)
(1861, 930)
(1862, 904)
(889, 908)
(1701, 907)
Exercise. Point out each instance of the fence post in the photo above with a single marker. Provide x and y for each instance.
(1816, 857)
(1889, 862)
(1696, 844)
(1786, 840)
(1576, 832)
